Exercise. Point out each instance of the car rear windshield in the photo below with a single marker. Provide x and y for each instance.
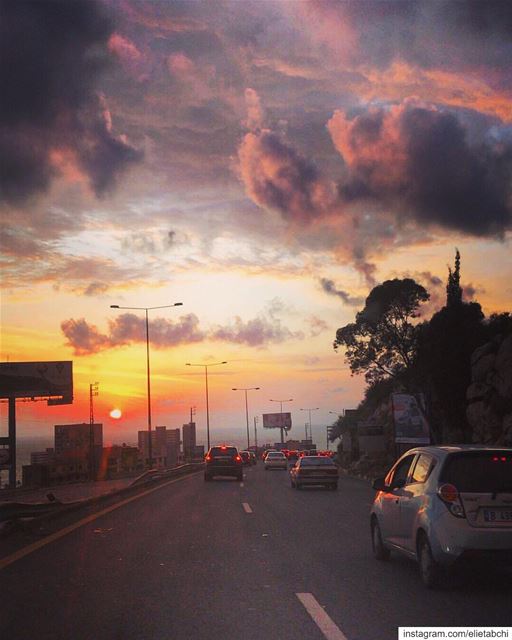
(276, 455)
(223, 451)
(479, 471)
(315, 461)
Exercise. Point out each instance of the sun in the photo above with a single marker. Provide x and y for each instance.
(116, 414)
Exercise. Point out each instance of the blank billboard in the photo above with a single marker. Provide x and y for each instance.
(277, 421)
(37, 380)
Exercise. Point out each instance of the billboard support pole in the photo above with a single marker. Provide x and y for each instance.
(12, 442)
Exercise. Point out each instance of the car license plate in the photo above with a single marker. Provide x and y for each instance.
(498, 515)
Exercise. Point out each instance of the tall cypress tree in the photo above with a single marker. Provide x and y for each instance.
(453, 288)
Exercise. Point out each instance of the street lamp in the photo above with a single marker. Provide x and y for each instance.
(310, 426)
(146, 309)
(281, 411)
(246, 409)
(212, 364)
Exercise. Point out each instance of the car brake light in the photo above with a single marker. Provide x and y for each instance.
(451, 498)
(238, 459)
(208, 458)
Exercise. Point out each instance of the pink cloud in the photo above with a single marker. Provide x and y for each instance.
(278, 177)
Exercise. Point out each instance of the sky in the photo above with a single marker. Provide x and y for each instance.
(264, 163)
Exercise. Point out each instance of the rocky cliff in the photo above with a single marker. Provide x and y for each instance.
(489, 396)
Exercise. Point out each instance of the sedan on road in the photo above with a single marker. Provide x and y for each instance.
(311, 470)
(444, 506)
(275, 460)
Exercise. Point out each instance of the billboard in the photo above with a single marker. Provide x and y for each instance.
(411, 425)
(37, 380)
(277, 421)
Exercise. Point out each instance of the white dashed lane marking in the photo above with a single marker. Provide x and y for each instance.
(246, 507)
(329, 629)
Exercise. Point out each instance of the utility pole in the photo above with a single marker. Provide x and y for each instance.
(93, 392)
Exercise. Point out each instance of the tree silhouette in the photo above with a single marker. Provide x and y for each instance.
(381, 342)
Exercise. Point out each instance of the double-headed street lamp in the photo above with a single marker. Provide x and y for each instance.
(310, 427)
(246, 409)
(211, 364)
(146, 309)
(281, 412)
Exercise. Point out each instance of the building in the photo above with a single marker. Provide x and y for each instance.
(42, 457)
(81, 443)
(189, 440)
(165, 444)
(119, 460)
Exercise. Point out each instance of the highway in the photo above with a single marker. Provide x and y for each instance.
(228, 560)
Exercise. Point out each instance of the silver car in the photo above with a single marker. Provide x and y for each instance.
(442, 505)
(275, 460)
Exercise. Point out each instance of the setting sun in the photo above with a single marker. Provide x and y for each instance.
(116, 414)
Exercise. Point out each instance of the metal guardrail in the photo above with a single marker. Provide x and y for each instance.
(13, 511)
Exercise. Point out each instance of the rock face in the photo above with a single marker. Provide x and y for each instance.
(489, 396)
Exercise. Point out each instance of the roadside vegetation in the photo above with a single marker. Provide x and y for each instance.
(457, 362)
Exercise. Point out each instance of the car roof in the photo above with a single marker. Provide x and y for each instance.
(445, 450)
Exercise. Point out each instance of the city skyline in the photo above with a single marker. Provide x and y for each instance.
(266, 164)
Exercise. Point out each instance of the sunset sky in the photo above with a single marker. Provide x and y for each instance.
(264, 163)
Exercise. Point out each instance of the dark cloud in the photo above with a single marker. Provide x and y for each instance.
(51, 57)
(85, 338)
(277, 177)
(317, 326)
(330, 288)
(129, 328)
(441, 34)
(254, 333)
(417, 160)
(96, 289)
(163, 333)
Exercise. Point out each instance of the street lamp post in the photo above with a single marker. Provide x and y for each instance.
(93, 391)
(255, 435)
(212, 364)
(310, 425)
(146, 309)
(281, 412)
(246, 409)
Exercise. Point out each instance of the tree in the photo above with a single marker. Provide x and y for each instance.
(443, 364)
(453, 288)
(381, 343)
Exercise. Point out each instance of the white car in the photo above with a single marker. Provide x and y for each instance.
(276, 460)
(444, 505)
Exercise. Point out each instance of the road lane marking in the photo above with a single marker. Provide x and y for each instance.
(241, 484)
(246, 507)
(25, 551)
(329, 629)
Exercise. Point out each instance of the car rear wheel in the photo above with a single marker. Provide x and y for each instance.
(292, 484)
(430, 571)
(298, 486)
(207, 477)
(379, 550)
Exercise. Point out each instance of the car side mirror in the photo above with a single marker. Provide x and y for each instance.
(379, 484)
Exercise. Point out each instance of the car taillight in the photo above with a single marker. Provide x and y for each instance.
(208, 458)
(451, 498)
(237, 459)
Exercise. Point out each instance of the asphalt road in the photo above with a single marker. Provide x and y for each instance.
(221, 561)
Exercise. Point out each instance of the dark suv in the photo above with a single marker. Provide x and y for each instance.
(223, 460)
